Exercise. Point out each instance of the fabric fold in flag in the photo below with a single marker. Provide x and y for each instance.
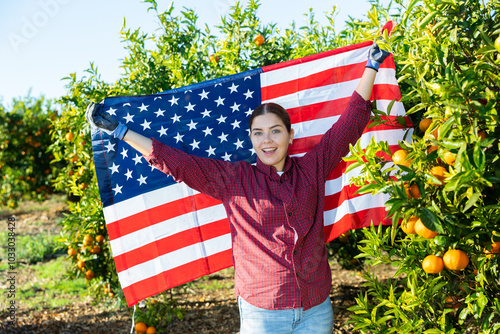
(162, 233)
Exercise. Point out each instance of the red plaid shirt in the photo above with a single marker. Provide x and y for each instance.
(265, 210)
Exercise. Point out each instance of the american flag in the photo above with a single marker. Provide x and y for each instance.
(163, 233)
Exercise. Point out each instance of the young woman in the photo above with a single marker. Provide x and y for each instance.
(275, 208)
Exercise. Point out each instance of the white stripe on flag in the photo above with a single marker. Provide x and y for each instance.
(153, 199)
(354, 205)
(174, 259)
(316, 95)
(167, 228)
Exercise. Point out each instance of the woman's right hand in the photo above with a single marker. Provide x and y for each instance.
(107, 123)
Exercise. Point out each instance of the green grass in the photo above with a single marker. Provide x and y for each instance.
(49, 288)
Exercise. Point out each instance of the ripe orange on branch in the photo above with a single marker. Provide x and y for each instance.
(399, 158)
(455, 259)
(259, 40)
(414, 191)
(451, 302)
(409, 226)
(432, 264)
(424, 124)
(423, 231)
(88, 240)
(141, 327)
(449, 158)
(439, 173)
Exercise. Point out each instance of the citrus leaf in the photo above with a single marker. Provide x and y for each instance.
(431, 220)
(472, 200)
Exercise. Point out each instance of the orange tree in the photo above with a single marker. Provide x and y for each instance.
(445, 185)
(25, 167)
(177, 54)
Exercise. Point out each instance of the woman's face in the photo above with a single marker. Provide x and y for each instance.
(270, 140)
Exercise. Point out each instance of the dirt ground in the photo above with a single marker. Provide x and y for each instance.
(206, 310)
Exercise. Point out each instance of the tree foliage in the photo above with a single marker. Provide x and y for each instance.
(448, 70)
(25, 168)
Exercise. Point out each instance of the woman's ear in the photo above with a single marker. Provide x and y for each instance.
(292, 133)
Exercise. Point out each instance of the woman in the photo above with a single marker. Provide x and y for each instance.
(275, 208)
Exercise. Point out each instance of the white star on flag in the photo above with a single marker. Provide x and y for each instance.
(143, 107)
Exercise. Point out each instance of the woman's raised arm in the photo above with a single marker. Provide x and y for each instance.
(376, 57)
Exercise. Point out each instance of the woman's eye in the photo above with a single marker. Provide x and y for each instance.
(257, 133)
(276, 131)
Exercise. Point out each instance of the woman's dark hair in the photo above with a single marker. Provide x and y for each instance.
(274, 108)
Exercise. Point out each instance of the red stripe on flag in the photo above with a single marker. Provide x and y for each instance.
(177, 276)
(386, 92)
(318, 110)
(324, 78)
(158, 214)
(356, 220)
(171, 243)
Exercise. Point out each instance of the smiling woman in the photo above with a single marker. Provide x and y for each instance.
(271, 134)
(274, 208)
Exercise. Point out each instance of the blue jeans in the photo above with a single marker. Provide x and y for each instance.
(316, 320)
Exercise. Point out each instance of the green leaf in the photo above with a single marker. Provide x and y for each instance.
(371, 187)
(472, 200)
(431, 220)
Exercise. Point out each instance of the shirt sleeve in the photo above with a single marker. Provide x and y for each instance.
(335, 142)
(208, 176)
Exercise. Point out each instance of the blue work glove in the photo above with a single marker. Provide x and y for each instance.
(105, 122)
(376, 56)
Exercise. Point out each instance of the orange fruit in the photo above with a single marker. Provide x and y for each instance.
(259, 40)
(414, 191)
(431, 149)
(74, 158)
(81, 264)
(151, 330)
(439, 173)
(69, 136)
(497, 44)
(423, 231)
(89, 275)
(482, 135)
(95, 250)
(409, 226)
(424, 124)
(449, 158)
(432, 264)
(71, 251)
(455, 259)
(495, 247)
(111, 294)
(451, 302)
(83, 186)
(141, 327)
(99, 239)
(399, 158)
(88, 240)
(214, 58)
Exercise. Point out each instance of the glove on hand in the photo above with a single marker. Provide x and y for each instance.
(376, 56)
(107, 123)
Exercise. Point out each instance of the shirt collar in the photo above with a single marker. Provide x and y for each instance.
(270, 170)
